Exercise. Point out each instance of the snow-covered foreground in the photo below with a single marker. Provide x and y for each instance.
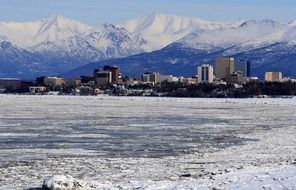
(148, 143)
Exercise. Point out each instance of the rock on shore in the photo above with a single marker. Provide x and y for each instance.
(61, 182)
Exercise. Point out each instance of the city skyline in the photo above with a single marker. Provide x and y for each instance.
(95, 12)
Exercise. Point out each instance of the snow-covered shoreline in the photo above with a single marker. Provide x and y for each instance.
(282, 177)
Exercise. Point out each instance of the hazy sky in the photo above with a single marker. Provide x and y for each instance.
(96, 12)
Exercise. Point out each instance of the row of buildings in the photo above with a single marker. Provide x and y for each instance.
(227, 70)
(232, 70)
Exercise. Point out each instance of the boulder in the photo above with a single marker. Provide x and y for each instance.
(61, 182)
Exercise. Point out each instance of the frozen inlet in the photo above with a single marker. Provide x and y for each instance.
(146, 143)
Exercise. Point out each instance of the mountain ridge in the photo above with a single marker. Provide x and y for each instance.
(57, 44)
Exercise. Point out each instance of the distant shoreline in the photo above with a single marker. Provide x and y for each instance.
(134, 96)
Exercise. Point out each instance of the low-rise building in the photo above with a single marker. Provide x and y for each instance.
(153, 78)
(73, 83)
(10, 84)
(235, 78)
(54, 83)
(40, 80)
(189, 81)
(103, 78)
(131, 82)
(168, 78)
(85, 90)
(273, 76)
(87, 79)
(252, 79)
(37, 89)
(120, 90)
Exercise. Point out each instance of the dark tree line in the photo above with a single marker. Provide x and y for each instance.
(250, 89)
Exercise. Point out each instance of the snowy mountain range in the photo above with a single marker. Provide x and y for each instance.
(58, 45)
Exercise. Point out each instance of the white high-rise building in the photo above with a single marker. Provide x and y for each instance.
(205, 73)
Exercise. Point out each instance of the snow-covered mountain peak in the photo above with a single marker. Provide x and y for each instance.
(249, 35)
(161, 29)
(58, 27)
(29, 34)
(115, 33)
(111, 27)
(158, 23)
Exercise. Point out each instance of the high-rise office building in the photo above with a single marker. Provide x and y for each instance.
(242, 67)
(224, 67)
(205, 73)
(115, 72)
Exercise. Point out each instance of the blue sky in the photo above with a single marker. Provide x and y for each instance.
(96, 12)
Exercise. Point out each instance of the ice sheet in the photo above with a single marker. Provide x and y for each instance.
(151, 143)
